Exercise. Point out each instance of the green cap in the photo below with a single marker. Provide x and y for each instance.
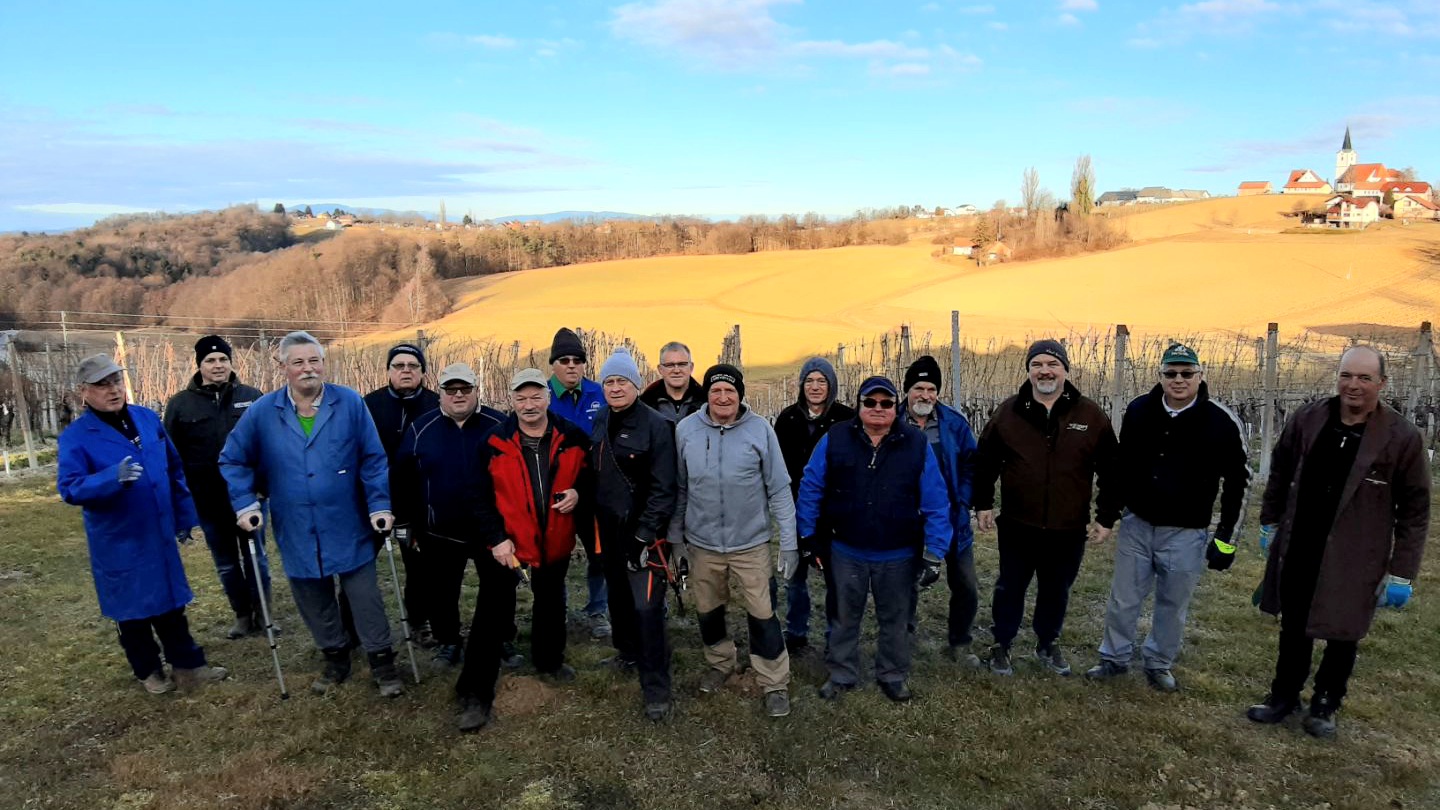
(1179, 354)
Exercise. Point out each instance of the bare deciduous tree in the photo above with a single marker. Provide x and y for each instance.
(1030, 191)
(1082, 187)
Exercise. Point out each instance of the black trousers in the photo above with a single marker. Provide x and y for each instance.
(137, 638)
(1052, 558)
(637, 619)
(494, 611)
(964, 594)
(441, 565)
(1297, 648)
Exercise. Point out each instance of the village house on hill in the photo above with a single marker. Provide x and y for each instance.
(1250, 188)
(1351, 212)
(1305, 181)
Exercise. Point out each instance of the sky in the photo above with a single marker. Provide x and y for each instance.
(691, 107)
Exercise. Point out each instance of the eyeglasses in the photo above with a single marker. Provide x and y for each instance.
(1172, 374)
(459, 390)
(882, 404)
(817, 382)
(674, 366)
(404, 366)
(570, 361)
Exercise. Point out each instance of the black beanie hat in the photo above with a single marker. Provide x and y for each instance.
(567, 344)
(1050, 347)
(924, 369)
(724, 372)
(210, 344)
(407, 348)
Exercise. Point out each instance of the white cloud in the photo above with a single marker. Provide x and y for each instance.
(491, 41)
(1079, 5)
(902, 69)
(86, 209)
(1068, 19)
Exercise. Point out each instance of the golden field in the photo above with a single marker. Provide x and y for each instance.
(1215, 266)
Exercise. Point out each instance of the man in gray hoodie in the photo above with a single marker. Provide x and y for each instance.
(732, 481)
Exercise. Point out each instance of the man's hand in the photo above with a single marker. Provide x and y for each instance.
(811, 551)
(679, 559)
(569, 499)
(1395, 591)
(788, 564)
(1219, 555)
(1267, 534)
(504, 553)
(250, 521)
(986, 518)
(382, 521)
(128, 472)
(638, 556)
(929, 569)
(1099, 534)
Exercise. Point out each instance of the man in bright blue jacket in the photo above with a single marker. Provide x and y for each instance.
(873, 491)
(118, 465)
(953, 442)
(316, 448)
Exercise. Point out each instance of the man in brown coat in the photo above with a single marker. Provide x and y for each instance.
(1348, 502)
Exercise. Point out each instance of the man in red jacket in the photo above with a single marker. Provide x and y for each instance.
(536, 464)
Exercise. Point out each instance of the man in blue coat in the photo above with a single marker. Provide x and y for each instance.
(873, 492)
(316, 447)
(953, 442)
(118, 465)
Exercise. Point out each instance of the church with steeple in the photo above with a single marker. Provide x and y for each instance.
(1345, 158)
(1361, 179)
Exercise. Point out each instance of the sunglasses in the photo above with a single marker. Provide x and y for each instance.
(459, 390)
(882, 404)
(1184, 375)
(570, 361)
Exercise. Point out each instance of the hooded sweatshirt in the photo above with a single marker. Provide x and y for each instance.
(732, 480)
(799, 431)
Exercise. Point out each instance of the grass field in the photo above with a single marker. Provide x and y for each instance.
(80, 733)
(1214, 265)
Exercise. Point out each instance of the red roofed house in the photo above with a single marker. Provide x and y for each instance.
(1250, 188)
(1304, 181)
(1406, 188)
(1366, 180)
(1352, 212)
(1407, 207)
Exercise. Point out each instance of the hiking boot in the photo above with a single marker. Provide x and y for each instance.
(1320, 722)
(1105, 670)
(386, 675)
(834, 690)
(657, 711)
(1274, 710)
(187, 679)
(896, 691)
(257, 625)
(1000, 661)
(713, 680)
(599, 625)
(242, 627)
(619, 664)
(563, 674)
(447, 656)
(777, 703)
(337, 671)
(157, 683)
(960, 654)
(1161, 680)
(796, 645)
(510, 658)
(1051, 656)
(474, 715)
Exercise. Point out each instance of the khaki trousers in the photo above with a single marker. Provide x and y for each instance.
(710, 582)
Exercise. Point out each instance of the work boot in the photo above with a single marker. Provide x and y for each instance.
(713, 680)
(1000, 661)
(337, 670)
(510, 658)
(619, 663)
(157, 683)
(599, 625)
(241, 628)
(657, 711)
(447, 656)
(1274, 710)
(1161, 680)
(386, 675)
(1051, 656)
(474, 715)
(960, 654)
(1320, 722)
(834, 690)
(188, 679)
(257, 624)
(896, 691)
(1105, 670)
(777, 703)
(562, 674)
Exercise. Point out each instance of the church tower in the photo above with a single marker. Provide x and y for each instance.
(1344, 159)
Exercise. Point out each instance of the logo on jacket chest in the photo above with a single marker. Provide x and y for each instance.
(1078, 426)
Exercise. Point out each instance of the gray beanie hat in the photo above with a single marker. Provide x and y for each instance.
(621, 364)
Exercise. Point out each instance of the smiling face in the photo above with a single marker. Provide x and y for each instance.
(817, 390)
(921, 399)
(304, 369)
(215, 368)
(1047, 374)
(724, 403)
(1360, 381)
(1180, 391)
(877, 411)
(675, 370)
(107, 395)
(620, 393)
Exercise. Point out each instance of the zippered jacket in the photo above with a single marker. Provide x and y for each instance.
(437, 477)
(633, 456)
(654, 395)
(539, 539)
(580, 406)
(197, 420)
(731, 483)
(956, 455)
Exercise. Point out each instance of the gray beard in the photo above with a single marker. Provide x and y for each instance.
(923, 408)
(1047, 386)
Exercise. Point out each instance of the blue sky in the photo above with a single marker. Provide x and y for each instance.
(691, 107)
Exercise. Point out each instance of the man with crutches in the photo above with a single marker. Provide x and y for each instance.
(315, 446)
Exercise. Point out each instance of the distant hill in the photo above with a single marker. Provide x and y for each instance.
(454, 216)
(561, 216)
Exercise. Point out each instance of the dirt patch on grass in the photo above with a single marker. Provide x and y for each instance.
(521, 696)
(252, 779)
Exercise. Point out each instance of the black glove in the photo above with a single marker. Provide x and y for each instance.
(813, 551)
(929, 569)
(404, 537)
(637, 555)
(1219, 554)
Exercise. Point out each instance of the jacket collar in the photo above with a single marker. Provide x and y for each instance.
(706, 420)
(1025, 399)
(200, 387)
(323, 410)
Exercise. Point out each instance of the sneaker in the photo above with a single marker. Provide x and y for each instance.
(796, 645)
(1000, 661)
(474, 716)
(447, 656)
(386, 674)
(510, 658)
(599, 625)
(1051, 656)
(157, 683)
(657, 711)
(564, 674)
(618, 663)
(1161, 680)
(834, 690)
(242, 627)
(1274, 710)
(1106, 669)
(187, 679)
(713, 680)
(777, 703)
(337, 671)
(1320, 722)
(896, 690)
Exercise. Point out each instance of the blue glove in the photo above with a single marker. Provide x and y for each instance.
(1267, 533)
(127, 471)
(1395, 592)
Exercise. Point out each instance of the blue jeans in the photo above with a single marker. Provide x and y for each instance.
(233, 565)
(797, 601)
(599, 597)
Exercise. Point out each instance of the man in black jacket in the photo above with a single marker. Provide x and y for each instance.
(633, 458)
(198, 419)
(1176, 445)
(394, 408)
(675, 395)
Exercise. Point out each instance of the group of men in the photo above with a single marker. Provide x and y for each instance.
(681, 484)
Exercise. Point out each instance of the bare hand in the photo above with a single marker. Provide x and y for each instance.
(986, 517)
(568, 501)
(504, 554)
(249, 521)
(1099, 534)
(382, 521)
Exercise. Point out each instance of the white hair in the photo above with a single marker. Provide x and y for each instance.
(298, 339)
